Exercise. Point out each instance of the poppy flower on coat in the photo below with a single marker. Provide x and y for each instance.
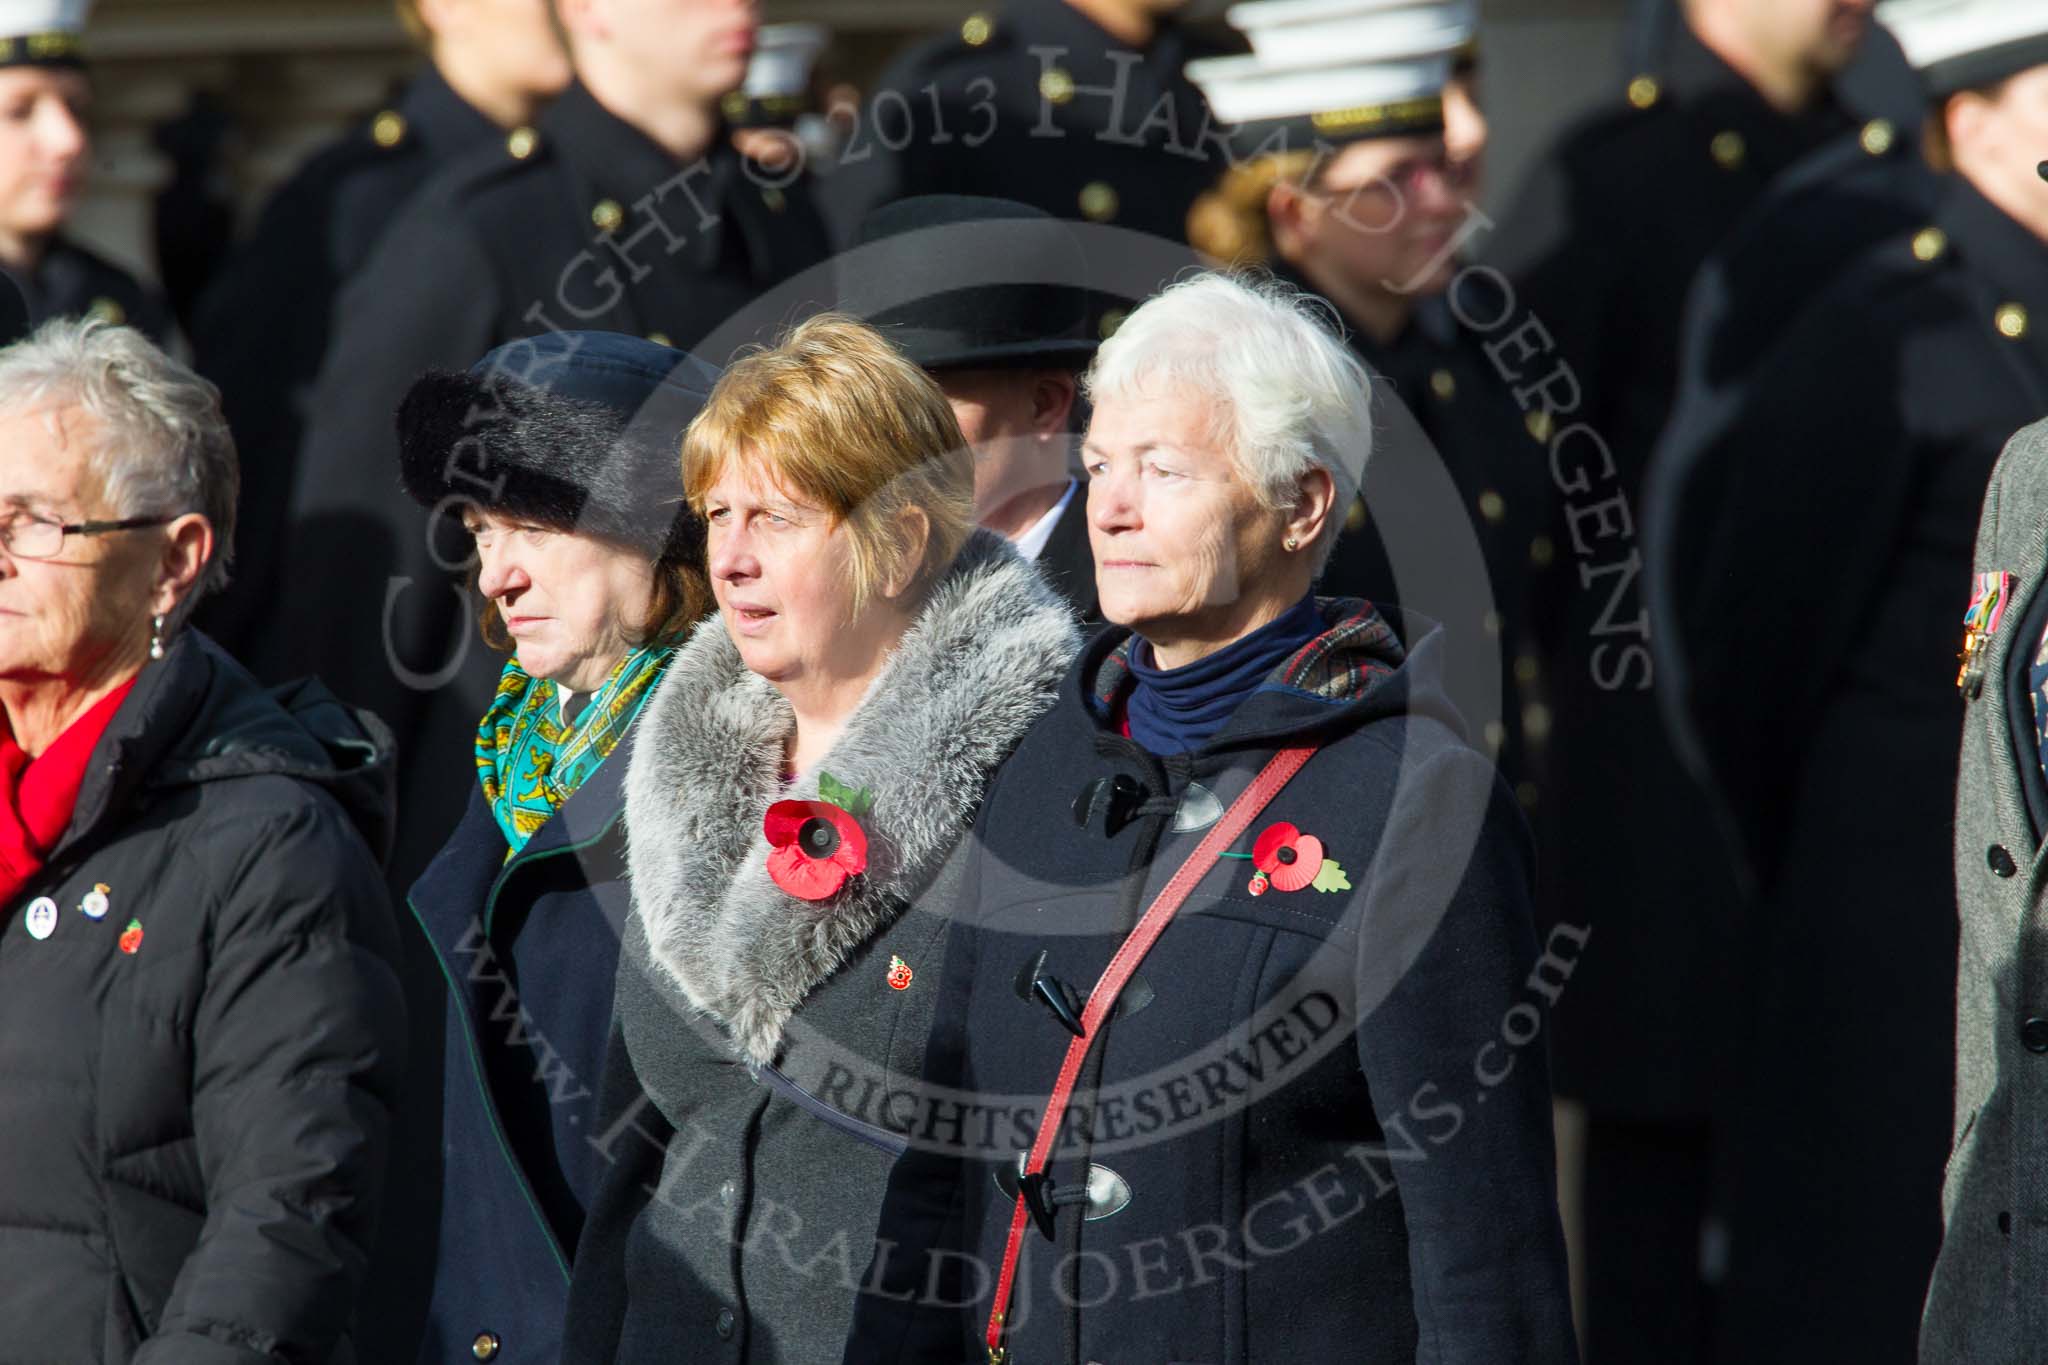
(1287, 857)
(817, 847)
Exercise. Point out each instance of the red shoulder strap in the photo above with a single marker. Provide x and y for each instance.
(1102, 999)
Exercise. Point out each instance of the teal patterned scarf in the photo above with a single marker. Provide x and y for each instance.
(530, 763)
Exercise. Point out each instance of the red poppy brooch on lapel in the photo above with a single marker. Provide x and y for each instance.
(818, 845)
(1292, 861)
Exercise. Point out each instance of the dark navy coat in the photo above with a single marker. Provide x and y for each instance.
(529, 948)
(1319, 1125)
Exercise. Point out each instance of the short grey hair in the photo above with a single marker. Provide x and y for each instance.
(1291, 396)
(161, 445)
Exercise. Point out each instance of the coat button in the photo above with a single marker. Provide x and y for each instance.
(2001, 861)
(725, 1324)
(728, 1192)
(2034, 1034)
(485, 1347)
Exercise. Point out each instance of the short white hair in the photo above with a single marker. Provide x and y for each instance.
(1290, 395)
(162, 447)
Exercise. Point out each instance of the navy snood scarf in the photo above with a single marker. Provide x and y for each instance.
(1178, 710)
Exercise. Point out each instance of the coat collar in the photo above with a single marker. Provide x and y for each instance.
(447, 124)
(2012, 265)
(978, 666)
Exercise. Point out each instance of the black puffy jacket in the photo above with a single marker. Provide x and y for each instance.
(195, 1086)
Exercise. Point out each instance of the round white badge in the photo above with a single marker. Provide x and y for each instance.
(94, 905)
(41, 918)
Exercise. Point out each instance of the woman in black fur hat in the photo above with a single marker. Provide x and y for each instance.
(560, 454)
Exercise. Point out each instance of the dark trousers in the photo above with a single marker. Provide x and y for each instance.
(1648, 1193)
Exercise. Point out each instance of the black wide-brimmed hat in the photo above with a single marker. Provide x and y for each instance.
(578, 431)
(968, 282)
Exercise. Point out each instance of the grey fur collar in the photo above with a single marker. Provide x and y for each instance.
(981, 662)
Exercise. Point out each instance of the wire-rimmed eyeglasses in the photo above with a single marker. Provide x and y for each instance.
(28, 536)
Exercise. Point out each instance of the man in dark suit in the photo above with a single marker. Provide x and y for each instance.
(1005, 351)
(264, 324)
(45, 149)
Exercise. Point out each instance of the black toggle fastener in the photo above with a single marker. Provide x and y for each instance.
(1109, 802)
(1043, 1198)
(1035, 983)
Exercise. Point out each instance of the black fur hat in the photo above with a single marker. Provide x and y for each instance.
(581, 431)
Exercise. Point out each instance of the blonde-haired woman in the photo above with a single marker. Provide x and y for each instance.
(799, 792)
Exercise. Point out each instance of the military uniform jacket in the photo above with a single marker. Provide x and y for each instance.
(580, 222)
(73, 282)
(1301, 1135)
(1602, 251)
(263, 326)
(768, 1045)
(1818, 594)
(1984, 1305)
(1039, 104)
(1442, 403)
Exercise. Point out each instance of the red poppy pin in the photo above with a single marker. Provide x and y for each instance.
(1292, 861)
(899, 974)
(818, 844)
(131, 938)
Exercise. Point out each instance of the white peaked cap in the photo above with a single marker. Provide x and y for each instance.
(20, 18)
(1957, 44)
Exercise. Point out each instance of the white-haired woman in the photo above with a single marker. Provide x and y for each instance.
(1244, 981)
(200, 1025)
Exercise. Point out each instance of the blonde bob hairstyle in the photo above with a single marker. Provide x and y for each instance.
(837, 418)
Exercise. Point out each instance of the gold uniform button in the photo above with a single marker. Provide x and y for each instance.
(1527, 794)
(976, 30)
(1111, 320)
(1056, 85)
(1539, 425)
(1541, 552)
(1644, 91)
(1929, 243)
(1443, 384)
(1526, 669)
(1496, 735)
(1490, 623)
(607, 214)
(1878, 136)
(734, 105)
(1354, 516)
(1728, 150)
(1536, 722)
(1098, 202)
(485, 1347)
(773, 198)
(660, 338)
(1492, 506)
(388, 128)
(2012, 321)
(104, 309)
(521, 142)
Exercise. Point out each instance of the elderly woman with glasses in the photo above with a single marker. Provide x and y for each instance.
(200, 1026)
(800, 791)
(1240, 1055)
